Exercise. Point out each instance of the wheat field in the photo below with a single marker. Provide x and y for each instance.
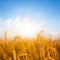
(40, 48)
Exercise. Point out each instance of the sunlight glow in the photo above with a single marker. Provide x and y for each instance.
(24, 27)
(29, 29)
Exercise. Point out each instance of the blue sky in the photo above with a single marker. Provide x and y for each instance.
(46, 12)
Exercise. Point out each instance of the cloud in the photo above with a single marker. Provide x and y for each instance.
(20, 26)
(23, 26)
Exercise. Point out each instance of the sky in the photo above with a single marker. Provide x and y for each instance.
(27, 17)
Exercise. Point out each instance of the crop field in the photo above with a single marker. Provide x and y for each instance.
(40, 48)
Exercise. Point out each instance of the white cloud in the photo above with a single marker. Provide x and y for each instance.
(8, 21)
(21, 26)
(26, 18)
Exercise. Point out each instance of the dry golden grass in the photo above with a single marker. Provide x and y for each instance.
(42, 48)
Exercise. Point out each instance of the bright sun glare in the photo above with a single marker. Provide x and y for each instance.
(24, 28)
(29, 30)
